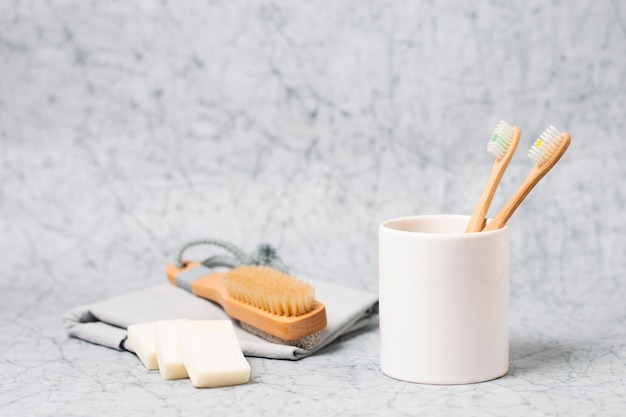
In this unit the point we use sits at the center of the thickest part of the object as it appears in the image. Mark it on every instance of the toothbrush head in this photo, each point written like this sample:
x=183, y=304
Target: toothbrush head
x=500, y=140
x=547, y=144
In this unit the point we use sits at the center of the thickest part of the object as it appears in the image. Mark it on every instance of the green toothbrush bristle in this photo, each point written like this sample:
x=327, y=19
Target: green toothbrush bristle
x=500, y=140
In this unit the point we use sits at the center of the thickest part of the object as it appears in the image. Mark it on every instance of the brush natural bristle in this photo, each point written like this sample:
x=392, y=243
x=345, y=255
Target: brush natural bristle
x=544, y=147
x=270, y=290
x=500, y=140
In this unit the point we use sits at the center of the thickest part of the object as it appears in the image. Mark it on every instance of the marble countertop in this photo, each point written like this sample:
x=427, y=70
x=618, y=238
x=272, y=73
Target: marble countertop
x=559, y=365
x=128, y=128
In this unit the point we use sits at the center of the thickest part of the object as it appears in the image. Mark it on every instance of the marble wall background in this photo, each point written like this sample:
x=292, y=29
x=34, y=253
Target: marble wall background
x=127, y=128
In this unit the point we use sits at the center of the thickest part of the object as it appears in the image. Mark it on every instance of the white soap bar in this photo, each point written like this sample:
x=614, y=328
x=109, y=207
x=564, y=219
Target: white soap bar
x=212, y=355
x=141, y=340
x=167, y=333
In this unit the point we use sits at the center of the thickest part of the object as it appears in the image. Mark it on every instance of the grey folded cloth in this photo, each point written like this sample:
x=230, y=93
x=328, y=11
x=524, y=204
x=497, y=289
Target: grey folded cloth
x=105, y=322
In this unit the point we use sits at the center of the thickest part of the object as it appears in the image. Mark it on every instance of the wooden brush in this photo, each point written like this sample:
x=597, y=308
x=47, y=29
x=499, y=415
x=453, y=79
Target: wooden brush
x=546, y=152
x=501, y=146
x=279, y=306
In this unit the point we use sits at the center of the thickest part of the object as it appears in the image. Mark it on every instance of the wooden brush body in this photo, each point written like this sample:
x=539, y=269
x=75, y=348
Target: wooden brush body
x=211, y=287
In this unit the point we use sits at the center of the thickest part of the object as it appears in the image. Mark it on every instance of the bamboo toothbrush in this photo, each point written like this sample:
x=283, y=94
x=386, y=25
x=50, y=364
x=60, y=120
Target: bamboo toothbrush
x=501, y=146
x=546, y=152
x=274, y=305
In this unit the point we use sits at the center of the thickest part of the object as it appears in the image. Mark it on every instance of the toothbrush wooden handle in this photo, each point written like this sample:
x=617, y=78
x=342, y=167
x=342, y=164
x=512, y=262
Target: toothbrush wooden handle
x=477, y=221
x=509, y=208
x=535, y=175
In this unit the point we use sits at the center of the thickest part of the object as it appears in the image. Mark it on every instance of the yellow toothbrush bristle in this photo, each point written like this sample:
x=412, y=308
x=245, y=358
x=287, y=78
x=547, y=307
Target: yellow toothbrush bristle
x=545, y=145
x=270, y=290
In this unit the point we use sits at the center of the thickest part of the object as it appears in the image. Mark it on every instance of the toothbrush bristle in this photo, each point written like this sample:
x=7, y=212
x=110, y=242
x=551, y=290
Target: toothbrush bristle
x=544, y=147
x=500, y=140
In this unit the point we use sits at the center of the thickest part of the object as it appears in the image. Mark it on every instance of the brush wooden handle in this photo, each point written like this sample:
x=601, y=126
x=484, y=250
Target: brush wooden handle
x=478, y=219
x=212, y=288
x=536, y=174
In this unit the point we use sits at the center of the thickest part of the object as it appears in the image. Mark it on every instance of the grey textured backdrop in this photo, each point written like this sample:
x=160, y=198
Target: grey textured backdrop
x=127, y=128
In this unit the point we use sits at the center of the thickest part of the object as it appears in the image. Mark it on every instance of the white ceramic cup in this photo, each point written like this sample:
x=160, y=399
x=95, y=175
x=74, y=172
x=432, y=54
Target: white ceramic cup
x=444, y=297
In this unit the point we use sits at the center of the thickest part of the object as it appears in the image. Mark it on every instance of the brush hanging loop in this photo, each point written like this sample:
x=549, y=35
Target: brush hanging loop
x=264, y=255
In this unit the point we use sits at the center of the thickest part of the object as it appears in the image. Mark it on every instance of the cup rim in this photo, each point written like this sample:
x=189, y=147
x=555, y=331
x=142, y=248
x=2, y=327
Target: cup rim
x=448, y=235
